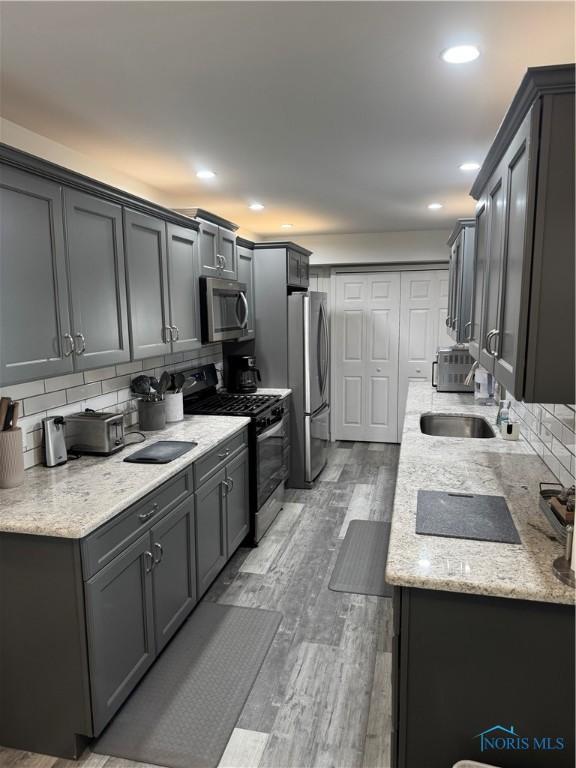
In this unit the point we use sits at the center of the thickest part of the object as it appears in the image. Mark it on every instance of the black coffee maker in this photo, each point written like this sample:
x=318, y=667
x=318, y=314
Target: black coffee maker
x=243, y=376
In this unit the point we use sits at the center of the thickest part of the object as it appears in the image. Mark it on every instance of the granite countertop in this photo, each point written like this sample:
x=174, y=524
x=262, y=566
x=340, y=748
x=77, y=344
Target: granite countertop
x=271, y=391
x=490, y=466
x=72, y=500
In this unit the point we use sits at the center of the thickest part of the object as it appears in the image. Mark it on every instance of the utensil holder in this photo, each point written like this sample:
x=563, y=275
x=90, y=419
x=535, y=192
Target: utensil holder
x=174, y=406
x=151, y=415
x=11, y=458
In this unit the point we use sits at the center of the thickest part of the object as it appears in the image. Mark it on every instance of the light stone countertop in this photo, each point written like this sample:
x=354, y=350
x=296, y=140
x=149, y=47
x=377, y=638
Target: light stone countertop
x=72, y=500
x=271, y=391
x=489, y=466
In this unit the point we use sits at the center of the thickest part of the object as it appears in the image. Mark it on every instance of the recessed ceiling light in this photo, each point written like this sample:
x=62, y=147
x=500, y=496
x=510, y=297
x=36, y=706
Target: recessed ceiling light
x=206, y=174
x=460, y=54
x=435, y=206
x=256, y=207
x=469, y=166
x=286, y=226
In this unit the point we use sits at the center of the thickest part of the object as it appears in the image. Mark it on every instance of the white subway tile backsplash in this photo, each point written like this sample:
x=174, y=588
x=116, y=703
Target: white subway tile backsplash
x=20, y=391
x=84, y=392
x=64, y=382
x=44, y=402
x=103, y=389
x=99, y=374
x=125, y=368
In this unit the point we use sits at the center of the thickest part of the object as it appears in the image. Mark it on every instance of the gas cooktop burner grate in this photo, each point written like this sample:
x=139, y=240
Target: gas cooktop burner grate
x=249, y=405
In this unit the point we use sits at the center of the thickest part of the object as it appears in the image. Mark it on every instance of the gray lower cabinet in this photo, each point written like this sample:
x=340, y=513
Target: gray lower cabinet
x=183, y=288
x=35, y=330
x=211, y=547
x=147, y=275
x=246, y=276
x=120, y=628
x=97, y=280
x=237, y=502
x=174, y=573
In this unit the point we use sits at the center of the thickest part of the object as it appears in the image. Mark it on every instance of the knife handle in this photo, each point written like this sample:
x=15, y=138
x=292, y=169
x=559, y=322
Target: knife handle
x=15, y=414
x=4, y=403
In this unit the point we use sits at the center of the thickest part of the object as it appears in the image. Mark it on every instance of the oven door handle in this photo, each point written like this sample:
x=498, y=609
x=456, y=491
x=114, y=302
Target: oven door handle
x=272, y=431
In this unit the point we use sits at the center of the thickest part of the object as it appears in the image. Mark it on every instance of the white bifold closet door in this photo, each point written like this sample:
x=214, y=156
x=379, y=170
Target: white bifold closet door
x=386, y=329
x=365, y=332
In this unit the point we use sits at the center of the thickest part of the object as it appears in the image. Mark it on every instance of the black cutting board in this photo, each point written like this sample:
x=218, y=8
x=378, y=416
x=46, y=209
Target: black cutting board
x=465, y=516
x=161, y=452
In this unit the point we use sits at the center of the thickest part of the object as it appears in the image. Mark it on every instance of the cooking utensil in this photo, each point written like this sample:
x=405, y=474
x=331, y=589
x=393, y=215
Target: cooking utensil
x=165, y=381
x=154, y=383
x=15, y=414
x=5, y=403
x=9, y=414
x=178, y=380
x=141, y=385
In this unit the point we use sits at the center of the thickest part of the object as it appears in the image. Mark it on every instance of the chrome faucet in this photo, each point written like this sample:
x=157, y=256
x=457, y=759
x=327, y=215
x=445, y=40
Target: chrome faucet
x=470, y=377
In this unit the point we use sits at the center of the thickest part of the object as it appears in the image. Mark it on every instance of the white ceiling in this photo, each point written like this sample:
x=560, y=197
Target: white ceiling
x=338, y=116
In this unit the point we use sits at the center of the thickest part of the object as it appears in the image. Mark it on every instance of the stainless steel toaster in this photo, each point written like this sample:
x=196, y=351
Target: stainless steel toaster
x=453, y=365
x=97, y=433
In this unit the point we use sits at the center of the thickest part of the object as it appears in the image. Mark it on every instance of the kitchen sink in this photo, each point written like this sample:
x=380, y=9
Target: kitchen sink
x=453, y=425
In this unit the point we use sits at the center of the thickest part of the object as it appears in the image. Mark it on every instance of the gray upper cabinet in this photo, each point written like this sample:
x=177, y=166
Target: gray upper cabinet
x=174, y=572
x=183, y=288
x=246, y=275
x=211, y=549
x=291, y=263
x=147, y=276
x=97, y=280
x=120, y=627
x=297, y=269
x=237, y=502
x=523, y=319
x=35, y=331
x=461, y=243
x=217, y=247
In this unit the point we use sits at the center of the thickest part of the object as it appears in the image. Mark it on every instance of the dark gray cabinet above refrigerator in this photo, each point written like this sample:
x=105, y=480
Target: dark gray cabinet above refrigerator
x=294, y=269
x=461, y=244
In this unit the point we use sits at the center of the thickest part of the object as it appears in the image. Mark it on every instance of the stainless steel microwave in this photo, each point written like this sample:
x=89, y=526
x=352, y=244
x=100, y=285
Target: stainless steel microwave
x=224, y=308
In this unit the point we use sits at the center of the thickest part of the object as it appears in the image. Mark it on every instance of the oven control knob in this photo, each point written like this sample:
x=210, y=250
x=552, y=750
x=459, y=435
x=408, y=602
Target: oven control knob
x=279, y=411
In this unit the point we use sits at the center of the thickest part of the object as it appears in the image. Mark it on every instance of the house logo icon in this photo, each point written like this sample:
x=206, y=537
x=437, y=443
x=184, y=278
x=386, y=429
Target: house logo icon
x=500, y=737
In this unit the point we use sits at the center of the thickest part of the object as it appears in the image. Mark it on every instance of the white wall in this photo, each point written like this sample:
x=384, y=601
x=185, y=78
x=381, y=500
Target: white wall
x=377, y=247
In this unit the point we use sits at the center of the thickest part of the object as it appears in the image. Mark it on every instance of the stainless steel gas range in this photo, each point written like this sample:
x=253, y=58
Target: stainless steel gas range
x=268, y=442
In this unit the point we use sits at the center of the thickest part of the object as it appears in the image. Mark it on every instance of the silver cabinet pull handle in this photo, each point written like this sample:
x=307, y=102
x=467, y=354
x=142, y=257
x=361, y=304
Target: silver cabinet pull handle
x=224, y=454
x=468, y=336
x=230, y=484
x=489, y=348
x=70, y=340
x=148, y=559
x=167, y=334
x=80, y=350
x=158, y=547
x=225, y=485
x=177, y=332
x=143, y=516
x=487, y=340
x=448, y=321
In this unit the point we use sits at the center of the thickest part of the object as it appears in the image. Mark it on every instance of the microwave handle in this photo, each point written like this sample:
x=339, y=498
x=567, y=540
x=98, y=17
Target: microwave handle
x=244, y=300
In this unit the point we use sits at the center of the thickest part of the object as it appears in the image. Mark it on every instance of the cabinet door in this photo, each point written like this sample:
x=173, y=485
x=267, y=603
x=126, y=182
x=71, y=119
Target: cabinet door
x=120, y=627
x=208, y=249
x=457, y=288
x=237, y=502
x=304, y=268
x=451, y=291
x=183, y=288
x=466, y=285
x=293, y=269
x=147, y=284
x=479, y=276
x=517, y=162
x=211, y=553
x=97, y=280
x=246, y=275
x=227, y=252
x=174, y=573
x=34, y=312
x=490, y=313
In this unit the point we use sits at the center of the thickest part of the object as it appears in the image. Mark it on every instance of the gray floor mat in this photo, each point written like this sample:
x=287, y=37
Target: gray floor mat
x=362, y=558
x=183, y=712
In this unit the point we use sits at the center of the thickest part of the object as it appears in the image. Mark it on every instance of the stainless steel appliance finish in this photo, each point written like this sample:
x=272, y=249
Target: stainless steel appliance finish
x=224, y=309
x=95, y=433
x=268, y=439
x=453, y=425
x=453, y=365
x=54, y=441
x=308, y=372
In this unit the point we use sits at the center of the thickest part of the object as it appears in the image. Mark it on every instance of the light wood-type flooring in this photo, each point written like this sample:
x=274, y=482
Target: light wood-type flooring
x=322, y=697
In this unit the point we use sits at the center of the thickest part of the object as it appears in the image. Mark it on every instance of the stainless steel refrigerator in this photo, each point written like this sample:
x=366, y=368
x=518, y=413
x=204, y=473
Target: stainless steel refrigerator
x=308, y=378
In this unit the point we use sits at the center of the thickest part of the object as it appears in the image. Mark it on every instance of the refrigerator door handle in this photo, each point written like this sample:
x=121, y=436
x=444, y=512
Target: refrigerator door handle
x=326, y=349
x=307, y=372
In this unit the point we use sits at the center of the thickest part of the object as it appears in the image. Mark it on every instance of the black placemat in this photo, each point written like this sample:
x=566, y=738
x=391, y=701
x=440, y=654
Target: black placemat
x=161, y=452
